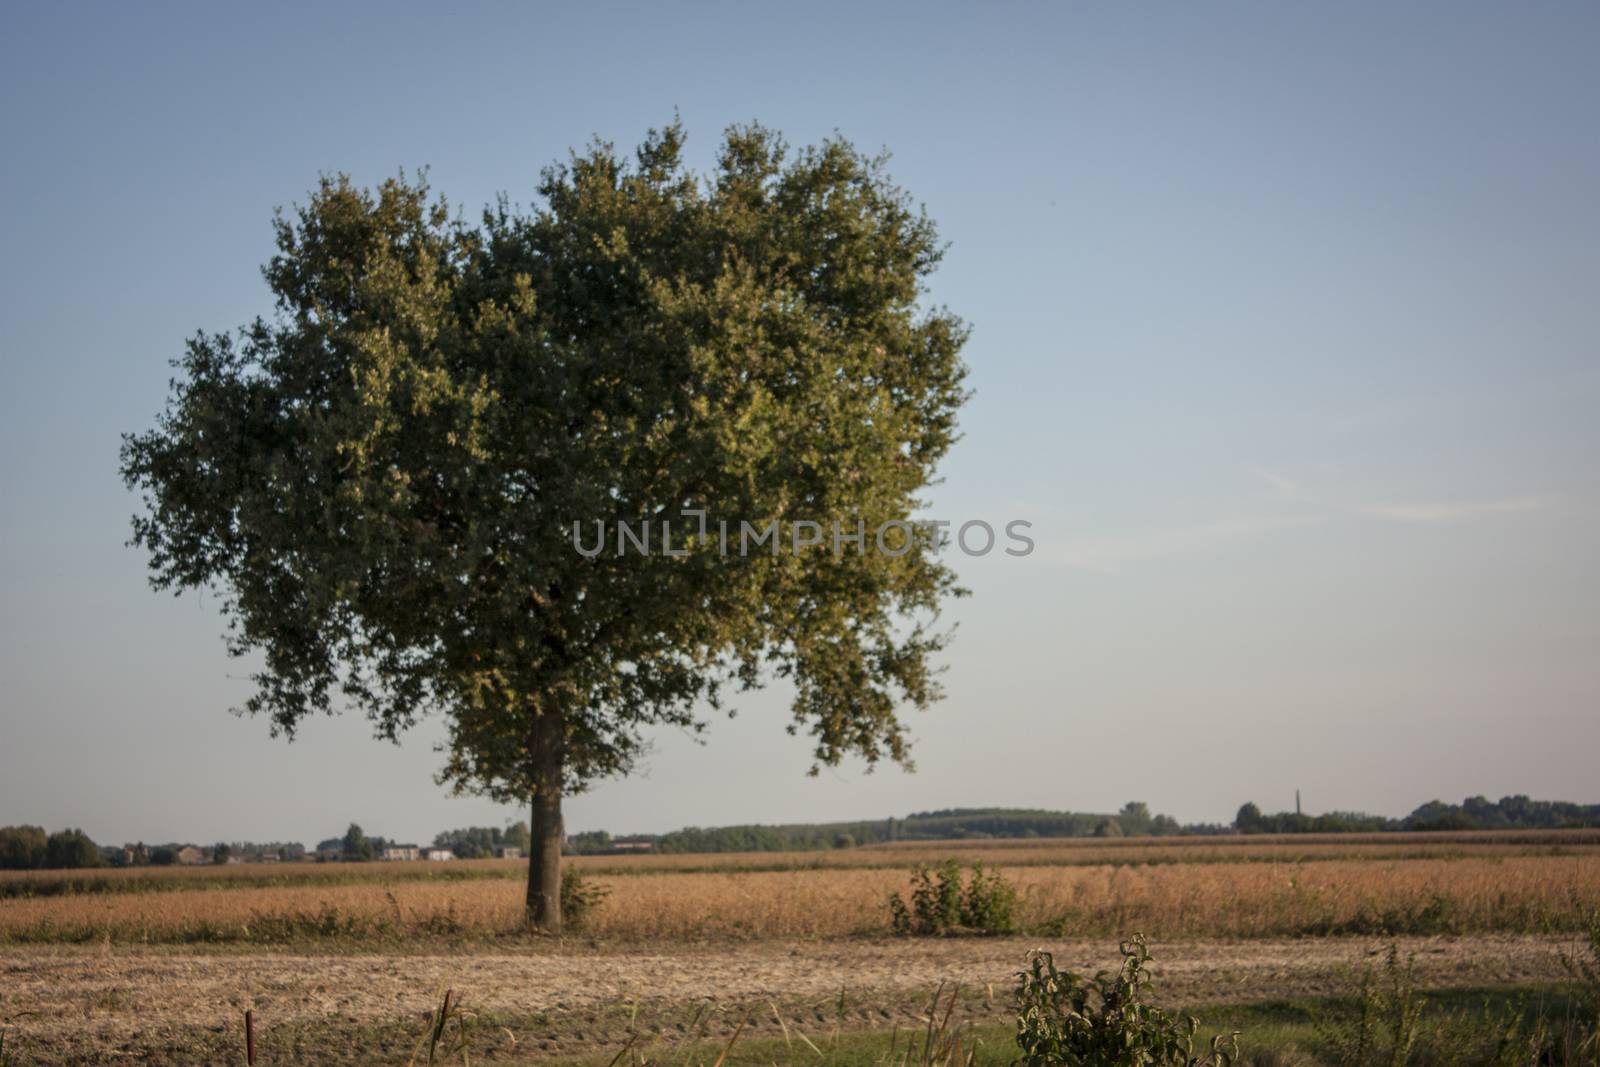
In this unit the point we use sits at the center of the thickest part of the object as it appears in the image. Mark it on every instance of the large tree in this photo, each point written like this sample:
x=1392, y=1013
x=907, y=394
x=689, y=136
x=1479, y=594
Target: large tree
x=389, y=479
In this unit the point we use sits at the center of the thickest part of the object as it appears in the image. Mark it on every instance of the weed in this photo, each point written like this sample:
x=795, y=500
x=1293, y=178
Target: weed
x=579, y=897
x=1384, y=1029
x=942, y=905
x=1066, y=1020
x=449, y=1033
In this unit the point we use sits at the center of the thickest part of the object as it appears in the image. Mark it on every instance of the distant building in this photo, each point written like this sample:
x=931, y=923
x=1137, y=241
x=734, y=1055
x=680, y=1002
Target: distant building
x=438, y=854
x=190, y=854
x=508, y=852
x=633, y=846
x=396, y=853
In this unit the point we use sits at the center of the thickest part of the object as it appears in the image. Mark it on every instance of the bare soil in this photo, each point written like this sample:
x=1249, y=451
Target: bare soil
x=114, y=1004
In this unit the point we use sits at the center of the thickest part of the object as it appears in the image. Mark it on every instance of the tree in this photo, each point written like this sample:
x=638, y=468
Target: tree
x=1135, y=818
x=71, y=848
x=354, y=845
x=221, y=853
x=516, y=835
x=22, y=848
x=469, y=843
x=395, y=482
x=1248, y=821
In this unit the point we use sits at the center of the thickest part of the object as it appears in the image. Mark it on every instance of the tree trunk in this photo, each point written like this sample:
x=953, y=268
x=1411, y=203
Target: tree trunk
x=544, y=844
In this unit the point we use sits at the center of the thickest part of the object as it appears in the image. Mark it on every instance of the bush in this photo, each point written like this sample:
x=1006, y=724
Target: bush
x=579, y=897
x=942, y=905
x=1066, y=1020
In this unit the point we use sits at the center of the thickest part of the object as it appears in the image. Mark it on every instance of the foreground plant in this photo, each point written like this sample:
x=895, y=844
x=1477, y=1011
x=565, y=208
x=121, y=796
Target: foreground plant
x=449, y=1034
x=1067, y=1020
x=1383, y=1032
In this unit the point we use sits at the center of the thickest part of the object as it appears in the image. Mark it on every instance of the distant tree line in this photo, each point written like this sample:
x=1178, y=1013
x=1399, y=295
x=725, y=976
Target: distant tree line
x=31, y=848
x=24, y=848
x=1474, y=813
x=1134, y=820
x=477, y=842
x=469, y=842
x=27, y=848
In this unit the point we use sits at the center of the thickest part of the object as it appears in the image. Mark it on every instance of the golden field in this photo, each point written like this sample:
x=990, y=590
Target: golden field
x=1009, y=853
x=1235, y=888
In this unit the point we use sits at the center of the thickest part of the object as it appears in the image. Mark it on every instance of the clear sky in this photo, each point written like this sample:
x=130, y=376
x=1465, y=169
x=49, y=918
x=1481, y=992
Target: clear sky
x=1285, y=336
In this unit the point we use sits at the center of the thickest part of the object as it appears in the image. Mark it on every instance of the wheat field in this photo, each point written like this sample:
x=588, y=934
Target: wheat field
x=1258, y=898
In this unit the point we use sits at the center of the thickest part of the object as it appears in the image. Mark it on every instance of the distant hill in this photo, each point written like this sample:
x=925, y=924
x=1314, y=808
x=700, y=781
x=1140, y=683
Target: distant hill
x=944, y=825
x=1133, y=820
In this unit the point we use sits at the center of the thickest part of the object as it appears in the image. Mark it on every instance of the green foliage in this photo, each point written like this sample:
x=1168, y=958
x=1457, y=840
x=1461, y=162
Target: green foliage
x=382, y=479
x=1066, y=1020
x=1521, y=812
x=355, y=844
x=22, y=848
x=950, y=824
x=1474, y=813
x=72, y=849
x=477, y=842
x=579, y=897
x=1135, y=819
x=588, y=842
x=942, y=905
x=1383, y=1031
x=516, y=835
x=1584, y=968
x=220, y=853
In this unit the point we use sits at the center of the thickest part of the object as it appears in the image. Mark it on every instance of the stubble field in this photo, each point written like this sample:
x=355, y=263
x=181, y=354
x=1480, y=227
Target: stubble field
x=157, y=965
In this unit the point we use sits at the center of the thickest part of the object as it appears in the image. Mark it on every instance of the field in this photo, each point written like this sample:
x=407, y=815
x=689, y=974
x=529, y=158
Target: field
x=159, y=964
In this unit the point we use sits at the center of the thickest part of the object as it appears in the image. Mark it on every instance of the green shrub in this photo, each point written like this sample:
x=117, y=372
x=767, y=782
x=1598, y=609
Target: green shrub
x=941, y=904
x=579, y=897
x=1066, y=1020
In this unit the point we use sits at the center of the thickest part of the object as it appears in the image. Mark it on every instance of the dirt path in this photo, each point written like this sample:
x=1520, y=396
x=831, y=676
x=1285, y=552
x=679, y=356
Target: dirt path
x=121, y=1005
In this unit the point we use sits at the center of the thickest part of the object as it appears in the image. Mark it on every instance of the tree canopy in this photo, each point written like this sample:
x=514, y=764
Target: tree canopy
x=383, y=479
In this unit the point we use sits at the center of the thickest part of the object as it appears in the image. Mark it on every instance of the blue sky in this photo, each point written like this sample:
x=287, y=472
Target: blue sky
x=1285, y=329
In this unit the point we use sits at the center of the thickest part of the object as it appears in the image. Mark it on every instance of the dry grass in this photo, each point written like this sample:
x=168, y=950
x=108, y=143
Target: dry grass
x=1513, y=893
